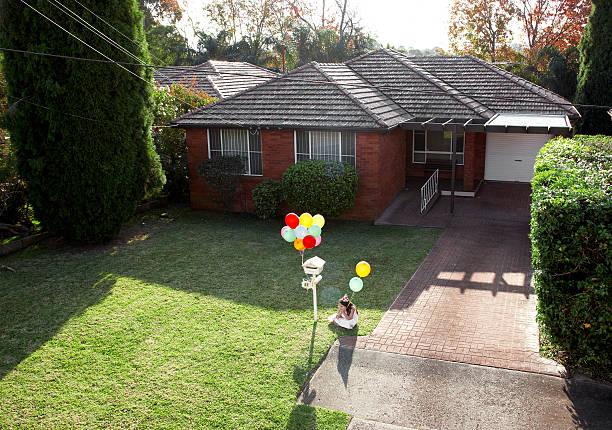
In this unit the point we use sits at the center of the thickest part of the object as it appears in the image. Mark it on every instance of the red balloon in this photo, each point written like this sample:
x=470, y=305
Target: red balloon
x=309, y=241
x=292, y=220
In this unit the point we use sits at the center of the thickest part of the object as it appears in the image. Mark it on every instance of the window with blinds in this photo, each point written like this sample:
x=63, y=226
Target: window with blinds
x=325, y=145
x=243, y=143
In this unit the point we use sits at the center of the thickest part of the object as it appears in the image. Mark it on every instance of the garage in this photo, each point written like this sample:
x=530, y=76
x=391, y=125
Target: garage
x=511, y=156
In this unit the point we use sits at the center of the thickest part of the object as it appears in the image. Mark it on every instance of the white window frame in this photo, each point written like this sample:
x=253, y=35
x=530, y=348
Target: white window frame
x=295, y=152
x=248, y=149
x=425, y=152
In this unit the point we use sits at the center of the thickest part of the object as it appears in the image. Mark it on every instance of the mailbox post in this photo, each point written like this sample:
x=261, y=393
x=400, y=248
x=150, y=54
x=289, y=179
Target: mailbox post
x=313, y=267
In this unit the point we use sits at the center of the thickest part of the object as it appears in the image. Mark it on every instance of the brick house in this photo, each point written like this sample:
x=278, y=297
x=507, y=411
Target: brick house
x=392, y=116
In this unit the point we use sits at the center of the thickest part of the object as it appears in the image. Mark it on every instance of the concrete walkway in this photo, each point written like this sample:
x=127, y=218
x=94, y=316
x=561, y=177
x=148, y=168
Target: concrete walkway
x=392, y=391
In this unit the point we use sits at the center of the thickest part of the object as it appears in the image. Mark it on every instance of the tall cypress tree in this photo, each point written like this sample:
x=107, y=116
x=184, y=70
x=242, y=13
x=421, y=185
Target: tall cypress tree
x=595, y=75
x=84, y=176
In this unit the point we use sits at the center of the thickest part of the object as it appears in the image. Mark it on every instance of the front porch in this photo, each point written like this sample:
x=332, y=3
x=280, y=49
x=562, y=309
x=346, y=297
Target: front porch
x=495, y=201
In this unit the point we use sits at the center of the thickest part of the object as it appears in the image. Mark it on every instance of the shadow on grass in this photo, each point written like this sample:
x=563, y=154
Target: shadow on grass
x=228, y=257
x=32, y=314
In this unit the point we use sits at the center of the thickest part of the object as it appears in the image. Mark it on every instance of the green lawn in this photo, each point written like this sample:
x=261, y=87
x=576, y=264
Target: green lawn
x=193, y=321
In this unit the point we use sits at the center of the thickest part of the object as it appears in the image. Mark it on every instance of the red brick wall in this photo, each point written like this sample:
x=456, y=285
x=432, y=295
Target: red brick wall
x=380, y=160
x=277, y=155
x=382, y=172
x=475, y=144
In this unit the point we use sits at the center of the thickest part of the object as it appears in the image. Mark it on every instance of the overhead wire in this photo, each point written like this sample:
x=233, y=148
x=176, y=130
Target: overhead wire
x=141, y=63
x=285, y=77
x=76, y=17
x=80, y=40
x=25, y=100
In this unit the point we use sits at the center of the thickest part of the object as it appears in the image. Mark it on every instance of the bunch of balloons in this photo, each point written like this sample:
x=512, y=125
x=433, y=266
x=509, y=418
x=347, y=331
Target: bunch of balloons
x=362, y=269
x=304, y=231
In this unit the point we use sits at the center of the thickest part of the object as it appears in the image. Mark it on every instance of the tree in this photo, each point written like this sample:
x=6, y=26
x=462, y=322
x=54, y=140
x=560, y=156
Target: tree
x=595, y=75
x=481, y=28
x=156, y=11
x=170, y=143
x=558, y=23
x=81, y=131
x=168, y=47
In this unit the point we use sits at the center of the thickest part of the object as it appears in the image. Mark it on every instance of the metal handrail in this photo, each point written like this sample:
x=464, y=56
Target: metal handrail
x=429, y=190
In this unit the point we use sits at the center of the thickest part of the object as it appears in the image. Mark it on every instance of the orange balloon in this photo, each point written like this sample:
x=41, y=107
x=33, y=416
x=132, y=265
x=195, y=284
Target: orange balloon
x=299, y=244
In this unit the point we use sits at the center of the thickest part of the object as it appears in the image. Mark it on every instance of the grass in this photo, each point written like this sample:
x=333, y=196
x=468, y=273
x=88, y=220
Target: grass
x=197, y=320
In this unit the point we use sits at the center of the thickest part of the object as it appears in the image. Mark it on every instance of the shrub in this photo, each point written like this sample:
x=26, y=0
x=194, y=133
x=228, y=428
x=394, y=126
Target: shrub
x=267, y=197
x=571, y=234
x=222, y=174
x=170, y=144
x=13, y=203
x=328, y=188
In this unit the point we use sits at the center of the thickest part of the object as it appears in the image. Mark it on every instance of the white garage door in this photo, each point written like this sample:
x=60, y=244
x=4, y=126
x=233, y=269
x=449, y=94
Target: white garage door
x=510, y=156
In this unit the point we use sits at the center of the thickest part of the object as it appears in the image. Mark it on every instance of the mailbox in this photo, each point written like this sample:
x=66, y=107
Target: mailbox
x=313, y=266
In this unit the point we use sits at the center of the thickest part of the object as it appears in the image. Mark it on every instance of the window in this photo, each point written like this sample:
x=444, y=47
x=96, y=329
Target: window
x=325, y=145
x=435, y=146
x=244, y=143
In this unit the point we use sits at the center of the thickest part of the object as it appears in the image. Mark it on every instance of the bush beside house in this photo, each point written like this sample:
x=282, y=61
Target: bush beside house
x=170, y=143
x=328, y=188
x=267, y=196
x=571, y=234
x=222, y=174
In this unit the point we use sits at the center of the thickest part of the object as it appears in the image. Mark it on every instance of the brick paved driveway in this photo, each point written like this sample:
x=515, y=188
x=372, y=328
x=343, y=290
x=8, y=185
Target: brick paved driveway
x=471, y=300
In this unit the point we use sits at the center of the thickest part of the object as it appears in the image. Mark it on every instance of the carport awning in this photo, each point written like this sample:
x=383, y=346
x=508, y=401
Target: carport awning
x=529, y=123
x=499, y=123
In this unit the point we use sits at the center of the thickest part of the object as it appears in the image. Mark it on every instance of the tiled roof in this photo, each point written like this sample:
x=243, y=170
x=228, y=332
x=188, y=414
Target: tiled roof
x=219, y=79
x=379, y=90
x=303, y=98
x=498, y=89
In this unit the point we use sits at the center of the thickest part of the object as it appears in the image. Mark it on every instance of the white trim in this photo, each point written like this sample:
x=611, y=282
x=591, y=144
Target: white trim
x=294, y=146
x=208, y=141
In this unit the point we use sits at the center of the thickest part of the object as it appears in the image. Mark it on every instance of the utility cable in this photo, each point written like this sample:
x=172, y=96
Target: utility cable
x=106, y=38
x=285, y=77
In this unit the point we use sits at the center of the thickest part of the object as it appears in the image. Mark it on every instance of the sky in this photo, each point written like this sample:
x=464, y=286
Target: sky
x=410, y=23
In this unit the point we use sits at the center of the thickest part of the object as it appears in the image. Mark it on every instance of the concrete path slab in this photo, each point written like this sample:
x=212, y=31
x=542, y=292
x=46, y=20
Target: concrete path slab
x=413, y=392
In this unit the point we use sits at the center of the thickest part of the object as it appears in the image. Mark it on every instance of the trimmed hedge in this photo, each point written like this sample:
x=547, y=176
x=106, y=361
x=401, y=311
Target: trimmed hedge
x=571, y=234
x=267, y=196
x=328, y=188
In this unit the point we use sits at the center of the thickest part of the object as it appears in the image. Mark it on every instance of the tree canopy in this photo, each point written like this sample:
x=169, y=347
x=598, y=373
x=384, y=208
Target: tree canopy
x=595, y=77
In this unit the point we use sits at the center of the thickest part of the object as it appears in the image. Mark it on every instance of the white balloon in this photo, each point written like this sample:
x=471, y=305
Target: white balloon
x=301, y=231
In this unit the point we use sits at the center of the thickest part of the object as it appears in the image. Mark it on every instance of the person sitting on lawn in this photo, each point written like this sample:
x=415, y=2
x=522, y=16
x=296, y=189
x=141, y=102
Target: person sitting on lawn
x=347, y=315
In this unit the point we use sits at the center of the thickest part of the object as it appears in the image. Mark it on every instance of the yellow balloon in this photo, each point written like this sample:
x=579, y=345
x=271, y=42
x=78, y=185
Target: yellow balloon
x=306, y=219
x=299, y=244
x=363, y=269
x=318, y=220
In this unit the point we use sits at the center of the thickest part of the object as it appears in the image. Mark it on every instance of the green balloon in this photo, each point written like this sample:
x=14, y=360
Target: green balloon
x=289, y=235
x=356, y=284
x=314, y=230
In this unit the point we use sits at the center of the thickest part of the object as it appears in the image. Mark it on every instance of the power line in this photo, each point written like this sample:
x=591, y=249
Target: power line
x=84, y=43
x=285, y=77
x=105, y=56
x=106, y=38
x=25, y=100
